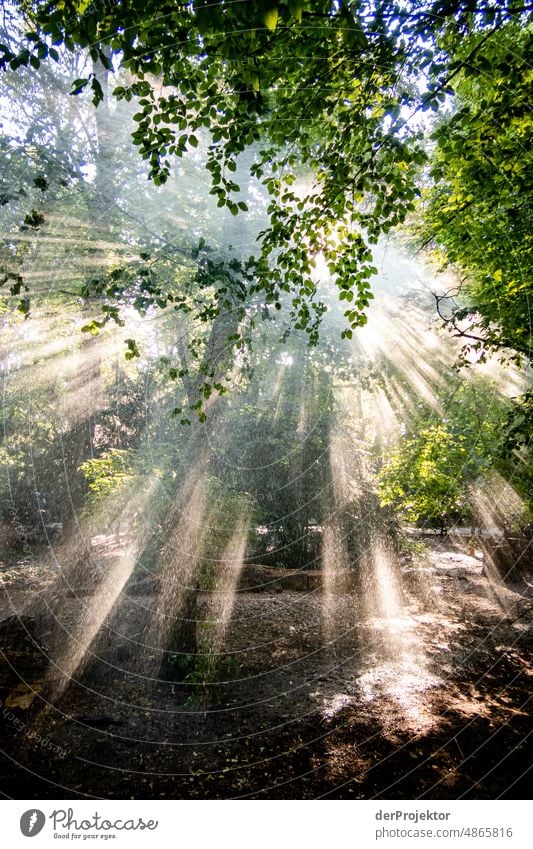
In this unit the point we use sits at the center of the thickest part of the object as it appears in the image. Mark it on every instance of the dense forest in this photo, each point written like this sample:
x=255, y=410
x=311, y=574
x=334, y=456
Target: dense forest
x=266, y=502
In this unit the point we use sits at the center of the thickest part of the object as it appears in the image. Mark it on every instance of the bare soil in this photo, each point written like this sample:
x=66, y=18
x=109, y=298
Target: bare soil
x=429, y=702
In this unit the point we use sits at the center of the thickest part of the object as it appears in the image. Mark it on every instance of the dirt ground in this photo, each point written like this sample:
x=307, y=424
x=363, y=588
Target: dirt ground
x=430, y=701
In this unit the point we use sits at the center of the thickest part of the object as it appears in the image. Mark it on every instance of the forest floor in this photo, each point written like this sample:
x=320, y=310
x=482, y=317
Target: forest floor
x=428, y=702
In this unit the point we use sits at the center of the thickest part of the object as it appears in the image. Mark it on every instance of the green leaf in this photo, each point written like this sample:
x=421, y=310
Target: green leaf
x=270, y=17
x=296, y=9
x=24, y=306
x=133, y=350
x=98, y=93
x=79, y=85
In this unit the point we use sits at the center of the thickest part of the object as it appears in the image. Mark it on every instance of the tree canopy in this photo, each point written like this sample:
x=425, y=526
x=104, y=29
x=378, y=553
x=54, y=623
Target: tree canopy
x=337, y=88
x=476, y=211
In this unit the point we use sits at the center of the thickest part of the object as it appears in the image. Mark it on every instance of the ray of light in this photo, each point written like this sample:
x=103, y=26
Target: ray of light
x=335, y=568
x=496, y=504
x=107, y=586
x=180, y=558
x=400, y=669
x=229, y=568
